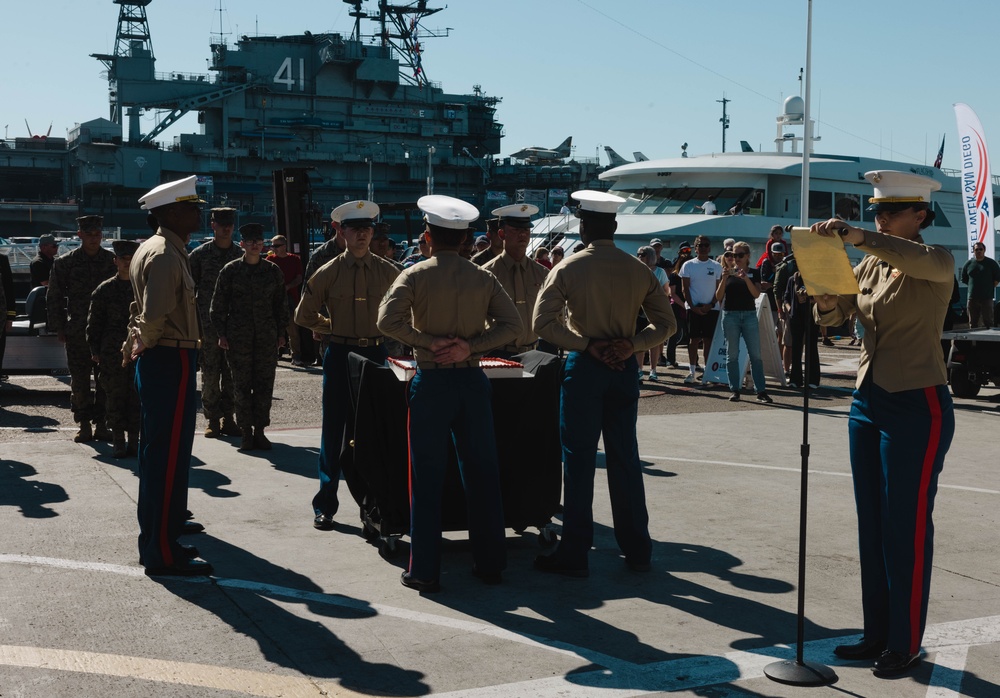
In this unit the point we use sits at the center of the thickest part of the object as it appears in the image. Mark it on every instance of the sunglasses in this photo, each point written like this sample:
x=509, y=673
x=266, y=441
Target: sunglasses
x=703, y=246
x=280, y=244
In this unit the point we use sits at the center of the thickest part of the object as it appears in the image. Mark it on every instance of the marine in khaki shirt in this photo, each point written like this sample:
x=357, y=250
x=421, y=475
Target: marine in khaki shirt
x=602, y=288
x=905, y=292
x=520, y=276
x=164, y=310
x=447, y=298
x=352, y=315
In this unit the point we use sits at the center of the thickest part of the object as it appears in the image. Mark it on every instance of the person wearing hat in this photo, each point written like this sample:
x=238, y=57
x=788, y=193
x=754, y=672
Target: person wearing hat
x=661, y=263
x=328, y=250
x=520, y=276
x=450, y=395
x=291, y=267
x=902, y=419
x=350, y=286
x=603, y=289
x=163, y=341
x=482, y=243
x=383, y=245
x=250, y=313
x=207, y=260
x=41, y=265
x=107, y=330
x=496, y=243
x=74, y=278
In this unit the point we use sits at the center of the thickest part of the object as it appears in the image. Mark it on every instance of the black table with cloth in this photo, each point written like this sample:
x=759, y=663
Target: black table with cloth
x=526, y=421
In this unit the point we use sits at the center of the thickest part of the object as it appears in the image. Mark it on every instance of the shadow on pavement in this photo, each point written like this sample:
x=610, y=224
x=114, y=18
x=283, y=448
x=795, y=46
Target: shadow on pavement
x=29, y=496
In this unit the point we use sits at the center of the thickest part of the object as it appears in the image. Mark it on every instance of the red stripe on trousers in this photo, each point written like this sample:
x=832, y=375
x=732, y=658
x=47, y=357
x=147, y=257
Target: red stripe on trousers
x=920, y=536
x=175, y=437
x=409, y=475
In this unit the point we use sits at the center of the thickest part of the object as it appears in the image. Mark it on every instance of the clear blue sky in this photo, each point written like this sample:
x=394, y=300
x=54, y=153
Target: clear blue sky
x=633, y=74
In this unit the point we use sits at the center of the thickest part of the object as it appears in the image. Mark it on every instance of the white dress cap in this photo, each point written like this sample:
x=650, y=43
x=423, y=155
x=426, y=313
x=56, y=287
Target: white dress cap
x=597, y=201
x=447, y=211
x=171, y=193
x=892, y=186
x=355, y=210
x=525, y=211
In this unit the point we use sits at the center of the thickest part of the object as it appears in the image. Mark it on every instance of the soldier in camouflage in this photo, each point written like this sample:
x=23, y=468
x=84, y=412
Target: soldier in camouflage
x=107, y=330
x=250, y=312
x=207, y=261
x=72, y=281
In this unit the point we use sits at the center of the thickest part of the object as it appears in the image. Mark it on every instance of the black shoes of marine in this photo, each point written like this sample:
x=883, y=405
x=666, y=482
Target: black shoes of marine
x=895, y=663
x=865, y=649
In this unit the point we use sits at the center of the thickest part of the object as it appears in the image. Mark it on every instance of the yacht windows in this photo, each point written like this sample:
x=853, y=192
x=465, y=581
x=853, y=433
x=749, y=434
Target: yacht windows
x=685, y=199
x=820, y=205
x=847, y=206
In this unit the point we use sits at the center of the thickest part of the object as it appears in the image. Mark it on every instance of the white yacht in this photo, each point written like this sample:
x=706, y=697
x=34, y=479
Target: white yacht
x=753, y=191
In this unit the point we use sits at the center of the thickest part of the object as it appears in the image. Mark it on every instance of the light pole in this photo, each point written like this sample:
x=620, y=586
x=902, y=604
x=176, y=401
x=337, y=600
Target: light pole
x=371, y=185
x=430, y=170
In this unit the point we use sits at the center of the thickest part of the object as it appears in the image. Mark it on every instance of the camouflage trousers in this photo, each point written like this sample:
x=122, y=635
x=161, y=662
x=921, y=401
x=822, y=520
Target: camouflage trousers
x=87, y=404
x=216, y=379
x=253, y=370
x=121, y=399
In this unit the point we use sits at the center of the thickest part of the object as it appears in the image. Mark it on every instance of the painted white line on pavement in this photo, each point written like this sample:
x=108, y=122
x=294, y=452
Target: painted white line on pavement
x=252, y=683
x=618, y=677
x=757, y=466
x=949, y=668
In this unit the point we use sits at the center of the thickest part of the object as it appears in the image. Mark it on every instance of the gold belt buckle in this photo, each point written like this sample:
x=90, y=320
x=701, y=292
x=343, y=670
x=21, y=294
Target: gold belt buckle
x=363, y=342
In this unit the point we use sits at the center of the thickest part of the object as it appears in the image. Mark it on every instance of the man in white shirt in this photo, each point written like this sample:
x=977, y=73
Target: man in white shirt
x=700, y=276
x=709, y=207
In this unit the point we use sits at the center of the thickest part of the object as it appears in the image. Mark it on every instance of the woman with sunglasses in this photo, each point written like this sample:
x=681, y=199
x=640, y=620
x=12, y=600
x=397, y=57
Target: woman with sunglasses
x=738, y=291
x=902, y=419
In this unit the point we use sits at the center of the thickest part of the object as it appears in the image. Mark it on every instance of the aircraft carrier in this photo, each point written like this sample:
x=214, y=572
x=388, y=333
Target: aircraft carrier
x=351, y=115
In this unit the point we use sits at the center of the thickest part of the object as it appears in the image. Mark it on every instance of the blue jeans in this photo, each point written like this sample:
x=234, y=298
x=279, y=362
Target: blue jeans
x=736, y=324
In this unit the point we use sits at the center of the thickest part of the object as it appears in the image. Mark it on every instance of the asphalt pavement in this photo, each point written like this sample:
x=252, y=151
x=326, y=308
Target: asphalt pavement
x=293, y=611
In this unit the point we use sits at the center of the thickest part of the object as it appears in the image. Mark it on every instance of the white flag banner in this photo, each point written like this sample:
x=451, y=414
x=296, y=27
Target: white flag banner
x=977, y=184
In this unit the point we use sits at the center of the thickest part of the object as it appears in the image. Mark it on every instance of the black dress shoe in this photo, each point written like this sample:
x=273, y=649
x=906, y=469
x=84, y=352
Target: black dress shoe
x=866, y=649
x=188, y=568
x=549, y=563
x=188, y=514
x=424, y=585
x=324, y=522
x=189, y=527
x=190, y=552
x=487, y=577
x=895, y=663
x=638, y=565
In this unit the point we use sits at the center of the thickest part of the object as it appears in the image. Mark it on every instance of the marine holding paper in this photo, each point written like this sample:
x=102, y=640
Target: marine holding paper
x=902, y=419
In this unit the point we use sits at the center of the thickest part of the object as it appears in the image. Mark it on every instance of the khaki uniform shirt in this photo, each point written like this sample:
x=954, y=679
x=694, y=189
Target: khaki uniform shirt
x=905, y=291
x=602, y=289
x=164, y=305
x=448, y=296
x=532, y=277
x=334, y=286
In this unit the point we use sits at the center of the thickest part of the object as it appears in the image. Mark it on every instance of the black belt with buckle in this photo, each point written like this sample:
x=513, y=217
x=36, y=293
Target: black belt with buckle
x=362, y=342
x=179, y=343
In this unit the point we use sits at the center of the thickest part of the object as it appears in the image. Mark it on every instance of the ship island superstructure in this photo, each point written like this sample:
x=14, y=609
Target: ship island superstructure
x=355, y=113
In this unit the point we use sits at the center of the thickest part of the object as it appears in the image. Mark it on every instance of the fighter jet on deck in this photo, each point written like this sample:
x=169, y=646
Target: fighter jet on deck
x=616, y=160
x=536, y=154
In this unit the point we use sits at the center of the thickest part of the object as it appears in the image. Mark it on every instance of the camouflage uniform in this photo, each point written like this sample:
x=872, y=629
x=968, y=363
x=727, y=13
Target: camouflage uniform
x=250, y=309
x=107, y=330
x=74, y=278
x=323, y=254
x=207, y=261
